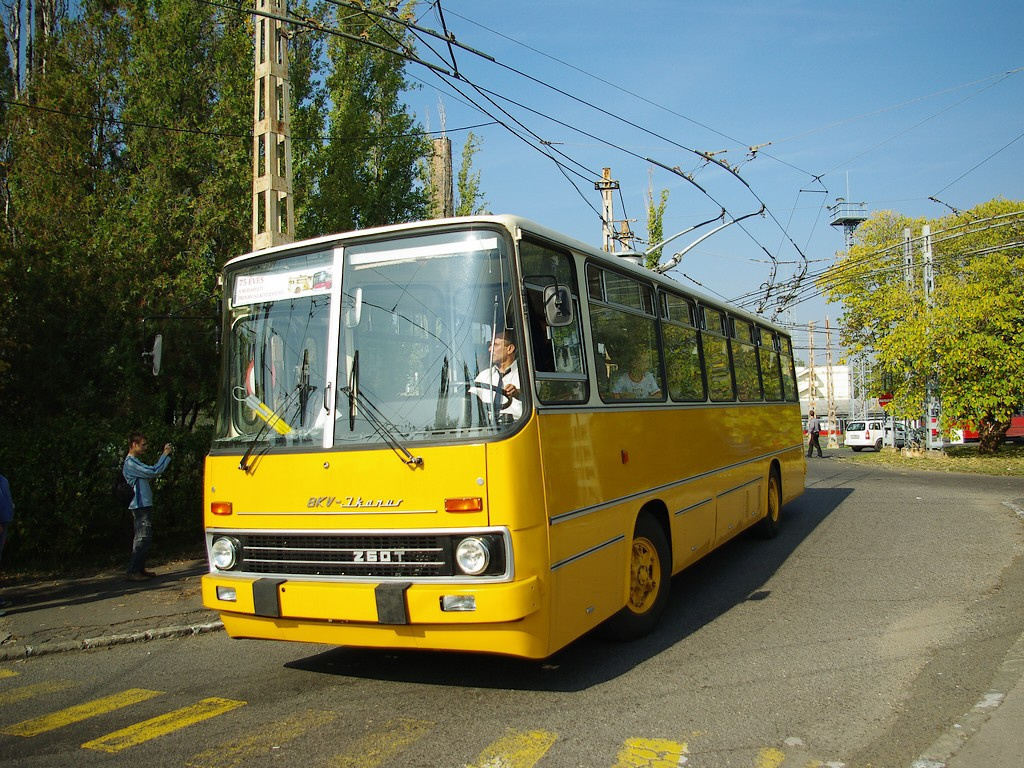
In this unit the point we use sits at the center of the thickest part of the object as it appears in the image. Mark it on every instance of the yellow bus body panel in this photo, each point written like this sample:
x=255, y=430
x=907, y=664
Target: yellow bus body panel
x=705, y=468
x=568, y=487
x=373, y=490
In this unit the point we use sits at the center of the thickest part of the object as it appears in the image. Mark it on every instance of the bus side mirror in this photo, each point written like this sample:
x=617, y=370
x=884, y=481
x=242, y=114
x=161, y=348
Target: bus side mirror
x=557, y=305
x=157, y=353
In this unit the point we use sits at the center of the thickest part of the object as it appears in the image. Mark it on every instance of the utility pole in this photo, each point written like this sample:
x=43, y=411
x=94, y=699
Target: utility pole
x=273, y=216
x=830, y=391
x=908, y=260
x=442, y=186
x=606, y=187
x=441, y=174
x=932, y=406
x=625, y=236
x=812, y=376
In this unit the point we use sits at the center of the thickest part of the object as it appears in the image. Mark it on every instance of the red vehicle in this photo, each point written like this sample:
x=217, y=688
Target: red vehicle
x=1015, y=432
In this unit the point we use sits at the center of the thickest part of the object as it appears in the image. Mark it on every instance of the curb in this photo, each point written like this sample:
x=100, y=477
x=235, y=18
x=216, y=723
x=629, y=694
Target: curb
x=106, y=641
x=1017, y=505
x=1009, y=674
x=944, y=748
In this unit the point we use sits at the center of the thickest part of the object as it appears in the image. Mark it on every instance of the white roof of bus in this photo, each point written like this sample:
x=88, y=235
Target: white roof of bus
x=514, y=222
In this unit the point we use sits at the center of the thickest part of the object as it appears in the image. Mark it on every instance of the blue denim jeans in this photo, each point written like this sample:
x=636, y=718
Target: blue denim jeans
x=143, y=537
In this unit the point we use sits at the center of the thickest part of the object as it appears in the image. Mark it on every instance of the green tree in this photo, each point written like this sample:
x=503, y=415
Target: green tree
x=369, y=171
x=469, y=199
x=655, y=223
x=184, y=189
x=308, y=112
x=129, y=185
x=964, y=342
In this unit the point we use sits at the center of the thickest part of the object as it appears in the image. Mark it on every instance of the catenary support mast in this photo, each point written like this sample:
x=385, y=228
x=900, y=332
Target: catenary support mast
x=273, y=217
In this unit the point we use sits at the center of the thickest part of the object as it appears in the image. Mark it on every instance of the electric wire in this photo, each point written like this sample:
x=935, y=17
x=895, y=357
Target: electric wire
x=976, y=167
x=847, y=274
x=226, y=134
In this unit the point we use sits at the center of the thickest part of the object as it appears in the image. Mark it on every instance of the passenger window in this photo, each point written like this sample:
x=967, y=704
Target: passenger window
x=771, y=376
x=789, y=389
x=716, y=356
x=683, y=359
x=744, y=353
x=628, y=362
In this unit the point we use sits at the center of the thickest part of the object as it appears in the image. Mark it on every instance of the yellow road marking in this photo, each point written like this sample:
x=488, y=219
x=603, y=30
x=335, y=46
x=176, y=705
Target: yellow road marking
x=80, y=712
x=770, y=757
x=376, y=749
x=244, y=750
x=4, y=673
x=15, y=695
x=651, y=753
x=516, y=749
x=162, y=725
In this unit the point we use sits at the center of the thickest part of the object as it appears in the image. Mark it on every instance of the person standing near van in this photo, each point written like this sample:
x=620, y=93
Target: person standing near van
x=138, y=474
x=814, y=430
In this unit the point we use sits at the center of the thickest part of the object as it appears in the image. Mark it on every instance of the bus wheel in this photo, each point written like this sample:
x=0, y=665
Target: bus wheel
x=650, y=572
x=768, y=526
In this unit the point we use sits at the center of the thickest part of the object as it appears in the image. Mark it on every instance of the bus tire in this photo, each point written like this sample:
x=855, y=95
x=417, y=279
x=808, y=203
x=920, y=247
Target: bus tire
x=650, y=572
x=768, y=526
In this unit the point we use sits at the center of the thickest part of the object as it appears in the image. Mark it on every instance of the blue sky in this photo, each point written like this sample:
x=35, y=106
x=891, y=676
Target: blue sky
x=887, y=103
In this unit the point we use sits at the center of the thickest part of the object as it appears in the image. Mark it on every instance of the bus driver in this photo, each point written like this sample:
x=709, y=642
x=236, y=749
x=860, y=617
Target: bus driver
x=502, y=376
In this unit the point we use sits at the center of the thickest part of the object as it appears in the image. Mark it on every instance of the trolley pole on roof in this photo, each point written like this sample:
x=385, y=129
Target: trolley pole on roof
x=273, y=217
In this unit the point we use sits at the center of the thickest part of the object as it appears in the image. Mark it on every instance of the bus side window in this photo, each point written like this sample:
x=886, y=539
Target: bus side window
x=683, y=357
x=745, y=361
x=558, y=355
x=789, y=387
x=717, y=357
x=622, y=317
x=770, y=373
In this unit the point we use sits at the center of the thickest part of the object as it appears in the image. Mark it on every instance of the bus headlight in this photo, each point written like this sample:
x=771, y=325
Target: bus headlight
x=473, y=555
x=224, y=553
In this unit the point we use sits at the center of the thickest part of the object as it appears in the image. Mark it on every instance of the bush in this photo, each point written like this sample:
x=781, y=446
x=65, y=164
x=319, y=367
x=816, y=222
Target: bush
x=65, y=516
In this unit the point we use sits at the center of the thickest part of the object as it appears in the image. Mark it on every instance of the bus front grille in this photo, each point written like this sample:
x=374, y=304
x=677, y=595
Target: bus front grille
x=374, y=557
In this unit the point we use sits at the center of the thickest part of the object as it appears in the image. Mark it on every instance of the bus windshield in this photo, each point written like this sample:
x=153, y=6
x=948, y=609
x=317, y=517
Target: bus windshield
x=396, y=352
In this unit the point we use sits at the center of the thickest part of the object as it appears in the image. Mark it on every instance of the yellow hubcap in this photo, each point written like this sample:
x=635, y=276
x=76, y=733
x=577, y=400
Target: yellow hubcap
x=645, y=572
x=773, y=499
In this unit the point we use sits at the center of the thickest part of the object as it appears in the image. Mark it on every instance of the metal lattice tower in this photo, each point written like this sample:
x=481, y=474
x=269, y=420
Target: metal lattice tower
x=849, y=216
x=273, y=217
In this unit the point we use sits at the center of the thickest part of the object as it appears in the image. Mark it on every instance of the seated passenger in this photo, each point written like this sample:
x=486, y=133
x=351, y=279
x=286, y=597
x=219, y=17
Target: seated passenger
x=638, y=382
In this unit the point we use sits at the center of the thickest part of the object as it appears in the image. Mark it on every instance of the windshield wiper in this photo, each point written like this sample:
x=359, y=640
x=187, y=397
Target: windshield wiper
x=270, y=418
x=305, y=388
x=387, y=431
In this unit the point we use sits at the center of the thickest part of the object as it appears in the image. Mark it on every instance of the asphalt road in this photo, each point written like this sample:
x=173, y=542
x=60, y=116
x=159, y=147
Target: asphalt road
x=855, y=638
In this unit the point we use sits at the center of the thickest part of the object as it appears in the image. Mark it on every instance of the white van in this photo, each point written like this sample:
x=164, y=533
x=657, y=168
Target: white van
x=871, y=434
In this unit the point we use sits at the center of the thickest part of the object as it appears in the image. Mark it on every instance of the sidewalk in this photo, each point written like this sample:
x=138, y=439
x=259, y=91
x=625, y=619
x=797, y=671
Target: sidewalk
x=60, y=615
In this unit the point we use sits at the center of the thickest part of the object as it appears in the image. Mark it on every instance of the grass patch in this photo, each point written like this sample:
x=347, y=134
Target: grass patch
x=1008, y=462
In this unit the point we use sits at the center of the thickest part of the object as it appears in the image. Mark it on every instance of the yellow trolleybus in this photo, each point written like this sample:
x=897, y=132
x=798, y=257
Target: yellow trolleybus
x=375, y=481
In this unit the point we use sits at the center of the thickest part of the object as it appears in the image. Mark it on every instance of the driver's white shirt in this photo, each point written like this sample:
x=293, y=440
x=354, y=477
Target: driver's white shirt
x=510, y=405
